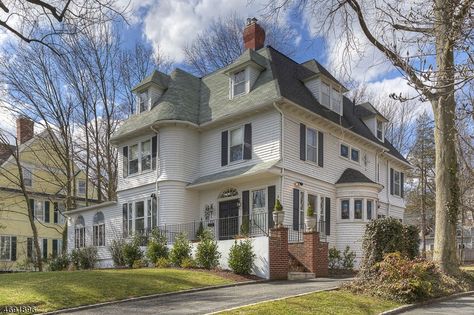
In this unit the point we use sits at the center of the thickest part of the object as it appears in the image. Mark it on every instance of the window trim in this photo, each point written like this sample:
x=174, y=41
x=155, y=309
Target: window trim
x=332, y=87
x=242, y=131
x=146, y=101
x=350, y=148
x=361, y=208
x=316, y=132
x=139, y=157
x=245, y=82
x=358, y=155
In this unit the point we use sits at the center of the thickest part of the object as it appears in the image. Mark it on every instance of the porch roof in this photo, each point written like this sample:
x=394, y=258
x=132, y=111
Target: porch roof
x=235, y=174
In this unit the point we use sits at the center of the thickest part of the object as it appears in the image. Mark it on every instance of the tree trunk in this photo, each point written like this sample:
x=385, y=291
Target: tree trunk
x=444, y=109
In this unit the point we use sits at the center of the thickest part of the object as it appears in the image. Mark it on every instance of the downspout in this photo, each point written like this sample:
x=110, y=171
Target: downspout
x=282, y=156
x=157, y=176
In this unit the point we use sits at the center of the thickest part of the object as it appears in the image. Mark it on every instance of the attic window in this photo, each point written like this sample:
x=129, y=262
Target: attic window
x=239, y=83
x=380, y=130
x=143, y=102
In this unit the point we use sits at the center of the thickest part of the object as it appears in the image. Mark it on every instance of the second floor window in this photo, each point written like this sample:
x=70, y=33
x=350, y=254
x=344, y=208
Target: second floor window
x=133, y=159
x=355, y=155
x=311, y=145
x=140, y=157
x=236, y=148
x=344, y=151
x=146, y=155
x=396, y=183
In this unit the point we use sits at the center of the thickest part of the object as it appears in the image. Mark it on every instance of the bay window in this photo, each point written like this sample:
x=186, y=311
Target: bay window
x=345, y=212
x=369, y=207
x=358, y=209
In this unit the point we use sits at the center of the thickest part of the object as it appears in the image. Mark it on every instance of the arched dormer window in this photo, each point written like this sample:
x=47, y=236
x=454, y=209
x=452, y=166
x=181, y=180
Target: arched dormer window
x=79, y=232
x=98, y=229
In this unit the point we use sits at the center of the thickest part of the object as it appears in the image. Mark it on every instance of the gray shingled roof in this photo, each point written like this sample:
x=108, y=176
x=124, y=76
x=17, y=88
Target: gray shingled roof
x=315, y=67
x=159, y=78
x=351, y=175
x=200, y=100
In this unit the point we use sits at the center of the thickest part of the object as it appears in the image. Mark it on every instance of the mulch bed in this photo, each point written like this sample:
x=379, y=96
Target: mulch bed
x=227, y=274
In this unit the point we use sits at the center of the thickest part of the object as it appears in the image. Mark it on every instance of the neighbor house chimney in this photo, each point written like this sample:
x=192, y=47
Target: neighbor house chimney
x=24, y=129
x=254, y=35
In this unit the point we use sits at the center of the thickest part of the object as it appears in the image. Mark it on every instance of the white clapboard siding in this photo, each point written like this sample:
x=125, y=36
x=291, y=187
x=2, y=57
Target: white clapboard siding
x=265, y=143
x=154, y=94
x=178, y=153
x=314, y=86
x=176, y=203
x=334, y=164
x=138, y=179
x=253, y=76
x=351, y=234
x=396, y=212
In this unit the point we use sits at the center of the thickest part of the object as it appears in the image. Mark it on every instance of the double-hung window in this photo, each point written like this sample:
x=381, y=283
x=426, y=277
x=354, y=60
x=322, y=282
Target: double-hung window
x=27, y=177
x=336, y=101
x=140, y=216
x=358, y=209
x=146, y=155
x=143, y=102
x=236, y=148
x=98, y=230
x=5, y=248
x=396, y=183
x=311, y=145
x=345, y=212
x=79, y=233
x=133, y=159
x=38, y=211
x=380, y=130
x=369, y=209
x=239, y=83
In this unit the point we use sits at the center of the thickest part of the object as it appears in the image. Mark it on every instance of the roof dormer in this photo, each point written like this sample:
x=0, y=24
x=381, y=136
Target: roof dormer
x=373, y=119
x=149, y=90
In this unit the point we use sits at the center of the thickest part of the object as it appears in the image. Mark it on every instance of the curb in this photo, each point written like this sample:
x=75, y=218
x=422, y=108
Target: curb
x=152, y=296
x=273, y=300
x=402, y=309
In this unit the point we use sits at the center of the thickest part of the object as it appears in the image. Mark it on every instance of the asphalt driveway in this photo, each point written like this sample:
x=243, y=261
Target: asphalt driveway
x=462, y=305
x=209, y=301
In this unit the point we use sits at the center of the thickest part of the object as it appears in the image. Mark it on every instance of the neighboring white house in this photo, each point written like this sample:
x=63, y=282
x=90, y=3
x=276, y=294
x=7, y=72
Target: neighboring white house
x=222, y=148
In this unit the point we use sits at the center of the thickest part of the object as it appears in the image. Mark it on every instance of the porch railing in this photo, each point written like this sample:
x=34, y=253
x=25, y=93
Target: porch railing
x=295, y=233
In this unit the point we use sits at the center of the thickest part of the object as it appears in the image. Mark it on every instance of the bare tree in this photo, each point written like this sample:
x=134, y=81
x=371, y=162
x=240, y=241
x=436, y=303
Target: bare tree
x=420, y=40
x=221, y=43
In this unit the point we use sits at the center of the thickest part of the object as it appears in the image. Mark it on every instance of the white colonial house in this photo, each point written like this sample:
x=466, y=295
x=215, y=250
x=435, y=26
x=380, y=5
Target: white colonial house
x=219, y=150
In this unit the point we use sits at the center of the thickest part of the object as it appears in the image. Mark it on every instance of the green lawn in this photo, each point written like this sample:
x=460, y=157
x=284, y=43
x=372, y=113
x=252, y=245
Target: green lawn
x=328, y=302
x=56, y=290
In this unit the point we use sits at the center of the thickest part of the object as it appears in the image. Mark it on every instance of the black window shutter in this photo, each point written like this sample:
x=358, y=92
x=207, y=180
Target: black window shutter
x=302, y=142
x=56, y=213
x=402, y=182
x=391, y=181
x=13, y=240
x=46, y=211
x=224, y=147
x=248, y=142
x=320, y=149
x=154, y=150
x=125, y=161
x=328, y=216
x=55, y=248
x=29, y=247
x=296, y=209
x=125, y=219
x=271, y=204
x=45, y=248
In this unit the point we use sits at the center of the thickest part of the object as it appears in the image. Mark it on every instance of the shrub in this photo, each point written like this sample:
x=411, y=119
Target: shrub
x=162, y=263
x=84, y=258
x=59, y=263
x=241, y=257
x=200, y=230
x=207, y=254
x=116, y=250
x=181, y=250
x=401, y=279
x=132, y=251
x=245, y=226
x=335, y=258
x=188, y=263
x=387, y=235
x=137, y=264
x=348, y=258
x=156, y=247
x=310, y=211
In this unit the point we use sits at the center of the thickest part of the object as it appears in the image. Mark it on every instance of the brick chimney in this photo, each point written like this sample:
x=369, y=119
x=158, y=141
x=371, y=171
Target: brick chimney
x=24, y=129
x=254, y=35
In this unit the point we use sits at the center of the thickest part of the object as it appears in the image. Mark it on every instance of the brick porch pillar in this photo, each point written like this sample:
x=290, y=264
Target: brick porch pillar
x=316, y=254
x=278, y=254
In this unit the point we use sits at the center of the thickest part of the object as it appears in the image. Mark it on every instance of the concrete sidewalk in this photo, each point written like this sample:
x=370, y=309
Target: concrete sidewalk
x=213, y=300
x=461, y=305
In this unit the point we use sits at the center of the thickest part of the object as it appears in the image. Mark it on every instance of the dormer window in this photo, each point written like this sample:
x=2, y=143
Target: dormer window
x=380, y=135
x=239, y=83
x=325, y=96
x=143, y=102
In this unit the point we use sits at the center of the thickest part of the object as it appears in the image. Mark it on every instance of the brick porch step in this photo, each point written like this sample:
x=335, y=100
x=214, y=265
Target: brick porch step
x=300, y=275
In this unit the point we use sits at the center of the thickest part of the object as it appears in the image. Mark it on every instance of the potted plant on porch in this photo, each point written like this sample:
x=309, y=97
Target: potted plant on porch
x=310, y=219
x=278, y=213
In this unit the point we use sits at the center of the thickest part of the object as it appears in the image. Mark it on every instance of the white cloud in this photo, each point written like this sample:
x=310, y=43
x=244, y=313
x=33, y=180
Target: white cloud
x=172, y=24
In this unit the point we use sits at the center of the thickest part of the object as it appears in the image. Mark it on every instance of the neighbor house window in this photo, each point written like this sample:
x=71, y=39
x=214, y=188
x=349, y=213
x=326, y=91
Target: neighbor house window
x=325, y=96
x=38, y=209
x=358, y=209
x=98, y=229
x=146, y=155
x=239, y=83
x=355, y=155
x=311, y=145
x=140, y=216
x=369, y=208
x=345, y=209
x=380, y=130
x=79, y=232
x=81, y=187
x=344, y=151
x=27, y=177
x=5, y=248
x=236, y=148
x=143, y=102
x=133, y=159
x=396, y=183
